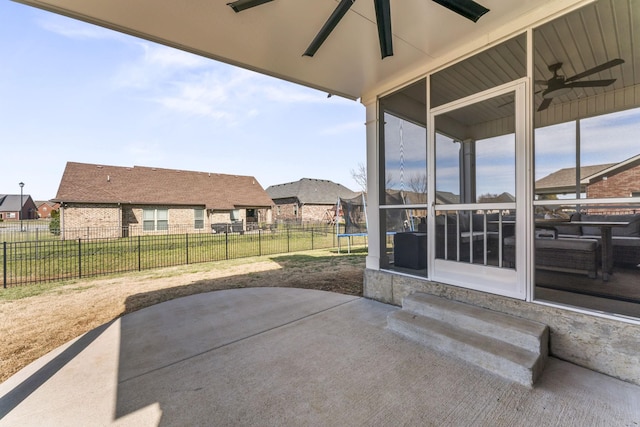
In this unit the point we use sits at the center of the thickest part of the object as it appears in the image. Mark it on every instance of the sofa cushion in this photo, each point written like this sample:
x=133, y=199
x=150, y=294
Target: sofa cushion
x=632, y=230
x=570, y=230
x=627, y=241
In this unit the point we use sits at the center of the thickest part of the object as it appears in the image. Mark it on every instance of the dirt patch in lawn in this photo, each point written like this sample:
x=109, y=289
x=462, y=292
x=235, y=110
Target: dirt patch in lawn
x=33, y=325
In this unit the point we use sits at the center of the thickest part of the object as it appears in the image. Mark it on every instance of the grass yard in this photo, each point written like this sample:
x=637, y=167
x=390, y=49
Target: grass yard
x=31, y=262
x=36, y=319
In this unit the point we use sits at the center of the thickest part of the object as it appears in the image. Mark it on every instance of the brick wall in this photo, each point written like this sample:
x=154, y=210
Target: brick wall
x=619, y=185
x=87, y=220
x=285, y=211
x=82, y=220
x=315, y=213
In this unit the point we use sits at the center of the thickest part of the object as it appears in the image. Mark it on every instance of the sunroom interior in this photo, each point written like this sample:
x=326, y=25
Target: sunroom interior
x=486, y=175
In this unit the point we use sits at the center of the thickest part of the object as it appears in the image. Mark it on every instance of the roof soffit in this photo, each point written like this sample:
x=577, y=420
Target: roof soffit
x=271, y=38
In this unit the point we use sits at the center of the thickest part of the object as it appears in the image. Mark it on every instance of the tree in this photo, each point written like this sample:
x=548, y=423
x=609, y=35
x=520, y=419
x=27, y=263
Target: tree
x=418, y=183
x=359, y=175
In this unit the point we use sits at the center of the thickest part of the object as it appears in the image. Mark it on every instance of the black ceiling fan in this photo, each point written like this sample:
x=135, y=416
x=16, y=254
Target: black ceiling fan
x=467, y=8
x=559, y=85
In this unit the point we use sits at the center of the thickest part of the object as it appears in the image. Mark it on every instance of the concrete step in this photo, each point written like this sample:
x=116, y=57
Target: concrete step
x=513, y=348
x=524, y=333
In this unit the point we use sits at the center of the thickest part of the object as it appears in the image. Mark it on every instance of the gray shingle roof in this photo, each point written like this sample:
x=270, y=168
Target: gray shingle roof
x=565, y=179
x=91, y=183
x=311, y=191
x=11, y=202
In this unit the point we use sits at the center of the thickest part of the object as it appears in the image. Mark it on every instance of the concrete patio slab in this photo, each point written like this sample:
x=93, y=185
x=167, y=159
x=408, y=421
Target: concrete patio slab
x=275, y=356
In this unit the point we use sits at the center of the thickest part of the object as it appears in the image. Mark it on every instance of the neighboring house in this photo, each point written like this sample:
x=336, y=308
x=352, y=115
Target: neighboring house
x=307, y=200
x=10, y=207
x=46, y=207
x=145, y=200
x=596, y=181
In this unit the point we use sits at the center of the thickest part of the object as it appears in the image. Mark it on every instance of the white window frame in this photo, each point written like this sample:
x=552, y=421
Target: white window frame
x=160, y=219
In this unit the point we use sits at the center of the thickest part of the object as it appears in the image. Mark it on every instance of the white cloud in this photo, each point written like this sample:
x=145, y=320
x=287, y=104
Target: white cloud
x=73, y=29
x=192, y=85
x=193, y=106
x=344, y=127
x=167, y=57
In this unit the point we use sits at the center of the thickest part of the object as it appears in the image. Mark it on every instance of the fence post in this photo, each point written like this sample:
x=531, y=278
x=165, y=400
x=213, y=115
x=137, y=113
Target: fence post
x=186, y=239
x=139, y=254
x=226, y=245
x=260, y=242
x=4, y=264
x=311, y=238
x=287, y=239
x=79, y=258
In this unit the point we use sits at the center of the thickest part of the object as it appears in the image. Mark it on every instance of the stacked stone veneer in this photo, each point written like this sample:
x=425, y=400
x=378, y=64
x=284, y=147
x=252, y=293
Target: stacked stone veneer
x=601, y=344
x=96, y=220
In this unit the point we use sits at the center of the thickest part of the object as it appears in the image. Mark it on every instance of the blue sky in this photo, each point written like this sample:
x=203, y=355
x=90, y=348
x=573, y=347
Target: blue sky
x=71, y=91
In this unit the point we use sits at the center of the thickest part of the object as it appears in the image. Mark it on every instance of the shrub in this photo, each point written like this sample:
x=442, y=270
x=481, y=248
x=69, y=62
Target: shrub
x=54, y=225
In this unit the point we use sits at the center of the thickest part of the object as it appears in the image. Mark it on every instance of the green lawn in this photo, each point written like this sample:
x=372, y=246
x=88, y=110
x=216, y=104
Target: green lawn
x=40, y=261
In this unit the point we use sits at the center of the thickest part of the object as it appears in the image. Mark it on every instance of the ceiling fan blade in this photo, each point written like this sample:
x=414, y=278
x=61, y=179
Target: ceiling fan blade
x=595, y=69
x=467, y=8
x=383, y=20
x=328, y=26
x=240, y=5
x=545, y=104
x=591, y=83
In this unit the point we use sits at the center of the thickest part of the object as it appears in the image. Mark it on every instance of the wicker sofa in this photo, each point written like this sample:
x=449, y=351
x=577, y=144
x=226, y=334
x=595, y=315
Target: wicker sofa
x=625, y=240
x=574, y=255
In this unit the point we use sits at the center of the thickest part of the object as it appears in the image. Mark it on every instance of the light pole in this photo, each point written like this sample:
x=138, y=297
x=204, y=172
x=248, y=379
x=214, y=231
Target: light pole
x=21, y=205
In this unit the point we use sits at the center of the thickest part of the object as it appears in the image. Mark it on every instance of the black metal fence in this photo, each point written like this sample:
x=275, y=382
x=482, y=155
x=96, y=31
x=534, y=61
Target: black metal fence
x=37, y=261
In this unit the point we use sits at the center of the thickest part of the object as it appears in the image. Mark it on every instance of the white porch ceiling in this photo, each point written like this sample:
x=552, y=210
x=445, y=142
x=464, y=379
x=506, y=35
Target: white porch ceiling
x=272, y=37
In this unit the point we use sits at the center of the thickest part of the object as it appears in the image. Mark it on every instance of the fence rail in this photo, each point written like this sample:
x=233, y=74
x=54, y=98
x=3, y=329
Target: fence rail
x=37, y=261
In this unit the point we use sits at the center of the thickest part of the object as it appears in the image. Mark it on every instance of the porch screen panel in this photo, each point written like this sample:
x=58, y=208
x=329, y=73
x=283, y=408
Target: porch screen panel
x=587, y=159
x=475, y=158
x=403, y=180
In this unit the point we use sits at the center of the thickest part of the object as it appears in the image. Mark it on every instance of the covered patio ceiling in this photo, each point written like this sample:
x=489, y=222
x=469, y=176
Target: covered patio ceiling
x=271, y=38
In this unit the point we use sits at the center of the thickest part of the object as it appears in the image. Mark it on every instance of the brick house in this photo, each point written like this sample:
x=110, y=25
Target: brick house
x=145, y=200
x=10, y=207
x=46, y=207
x=618, y=180
x=307, y=200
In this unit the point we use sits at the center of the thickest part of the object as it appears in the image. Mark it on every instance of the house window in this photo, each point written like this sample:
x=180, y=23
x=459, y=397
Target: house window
x=155, y=219
x=198, y=216
x=295, y=210
x=234, y=215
